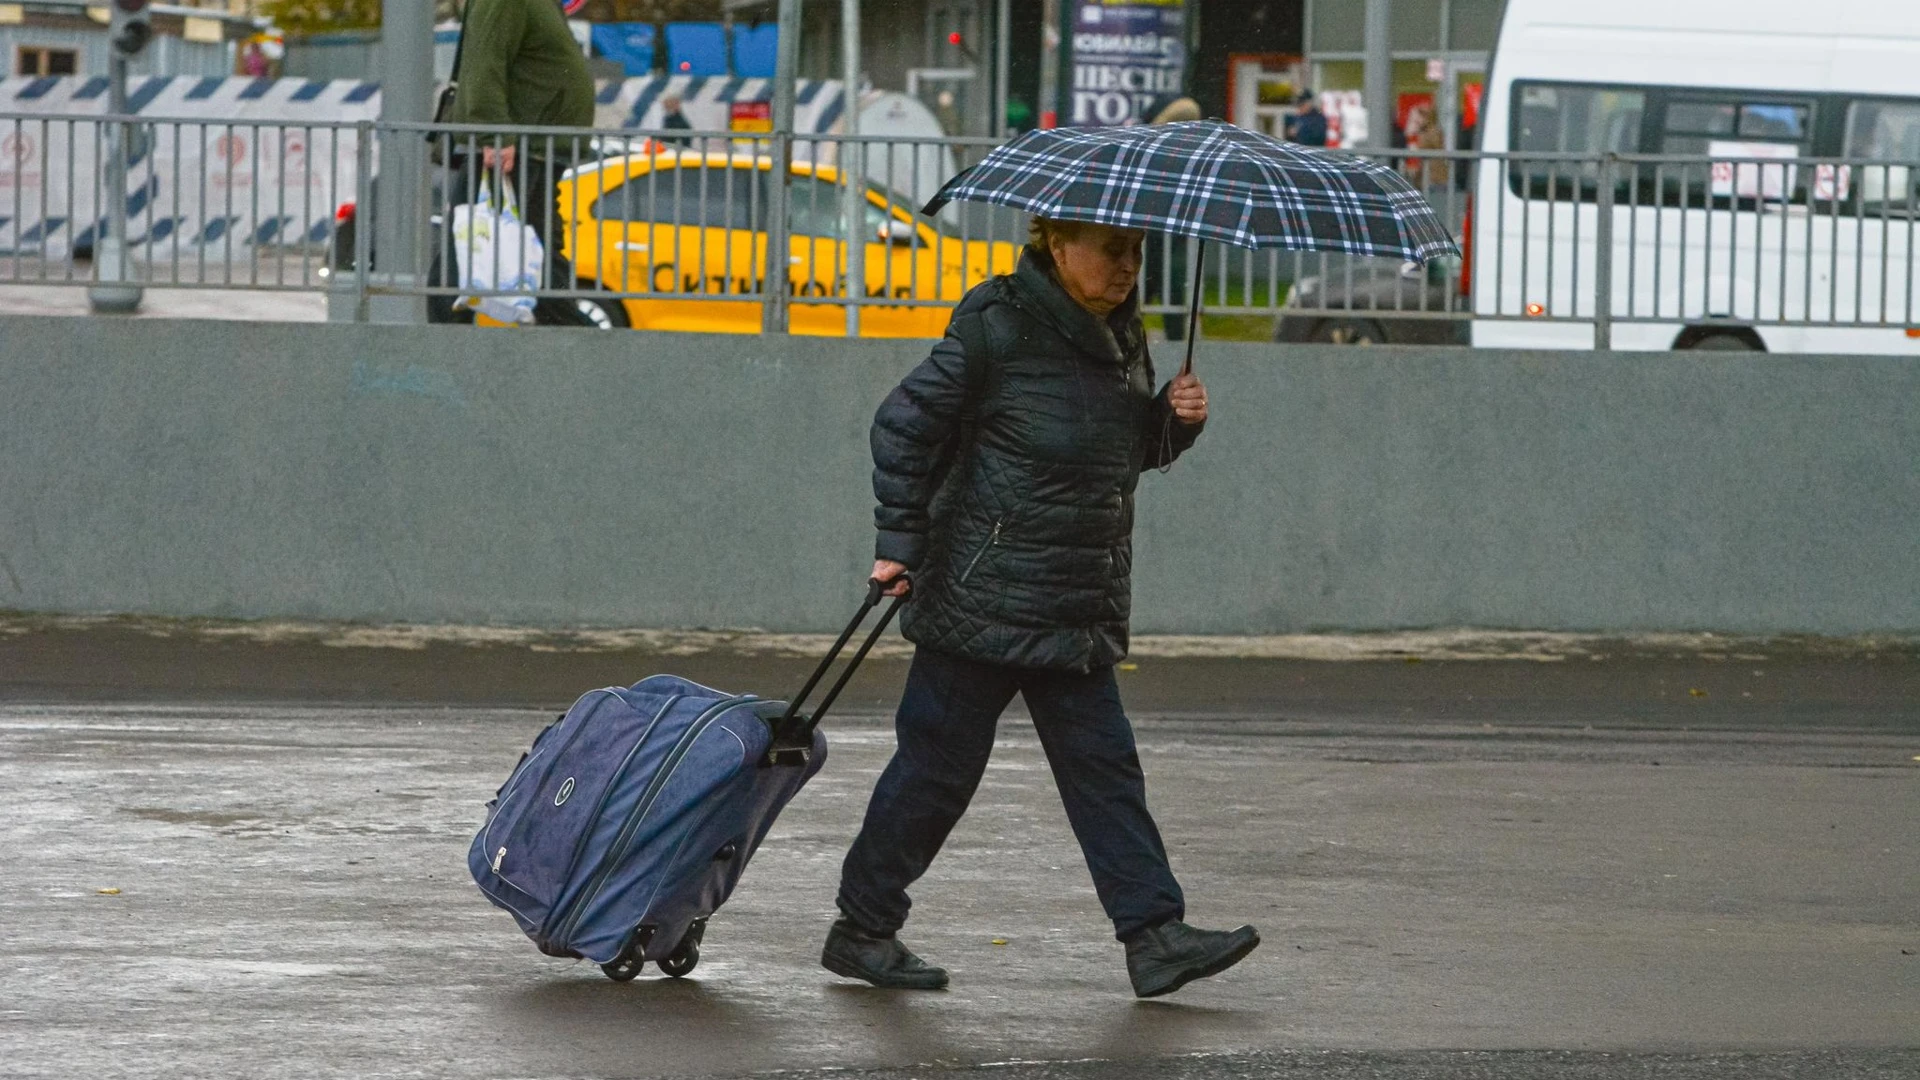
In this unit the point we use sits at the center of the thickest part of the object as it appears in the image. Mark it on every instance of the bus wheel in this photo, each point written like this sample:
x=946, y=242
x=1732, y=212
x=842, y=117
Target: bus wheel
x=1350, y=332
x=1708, y=340
x=607, y=314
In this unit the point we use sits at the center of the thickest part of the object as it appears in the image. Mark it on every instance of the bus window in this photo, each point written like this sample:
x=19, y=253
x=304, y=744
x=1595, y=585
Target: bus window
x=1568, y=119
x=1885, y=131
x=1692, y=126
x=1694, y=119
x=1773, y=122
x=1731, y=128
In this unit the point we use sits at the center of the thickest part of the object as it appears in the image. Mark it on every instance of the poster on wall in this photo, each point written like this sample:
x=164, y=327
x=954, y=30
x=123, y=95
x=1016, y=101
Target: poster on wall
x=1124, y=54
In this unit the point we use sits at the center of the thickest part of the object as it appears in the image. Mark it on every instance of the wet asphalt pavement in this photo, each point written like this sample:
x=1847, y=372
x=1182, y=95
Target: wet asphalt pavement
x=1659, y=864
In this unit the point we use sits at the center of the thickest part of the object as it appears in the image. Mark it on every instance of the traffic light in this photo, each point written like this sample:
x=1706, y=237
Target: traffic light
x=131, y=26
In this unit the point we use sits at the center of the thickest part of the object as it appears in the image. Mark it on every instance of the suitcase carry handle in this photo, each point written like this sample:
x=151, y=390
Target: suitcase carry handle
x=793, y=735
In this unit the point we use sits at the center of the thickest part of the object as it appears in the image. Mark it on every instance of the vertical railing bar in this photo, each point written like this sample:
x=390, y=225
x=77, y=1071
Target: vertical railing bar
x=226, y=234
x=1573, y=272
x=306, y=207
x=888, y=290
x=474, y=162
x=206, y=208
x=253, y=204
x=332, y=207
x=1906, y=263
x=1633, y=241
x=1686, y=230
x=1759, y=237
x=1553, y=238
x=1602, y=253
x=570, y=224
x=1886, y=226
x=940, y=243
x=363, y=213
x=149, y=159
x=1806, y=259
x=703, y=214
x=1526, y=243
x=1705, y=285
x=73, y=195
x=1659, y=230
x=18, y=165
x=1786, y=222
x=45, y=195
x=555, y=238
x=913, y=264
x=1833, y=264
x=1859, y=256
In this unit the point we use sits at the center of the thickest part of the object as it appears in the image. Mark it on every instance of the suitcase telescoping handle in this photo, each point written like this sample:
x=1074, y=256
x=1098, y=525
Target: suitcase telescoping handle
x=792, y=733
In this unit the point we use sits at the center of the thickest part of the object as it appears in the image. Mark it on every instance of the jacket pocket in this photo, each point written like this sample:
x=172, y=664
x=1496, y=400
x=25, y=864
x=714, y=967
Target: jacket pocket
x=993, y=541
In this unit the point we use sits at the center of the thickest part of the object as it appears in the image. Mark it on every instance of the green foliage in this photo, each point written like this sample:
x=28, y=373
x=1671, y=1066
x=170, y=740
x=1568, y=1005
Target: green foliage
x=299, y=18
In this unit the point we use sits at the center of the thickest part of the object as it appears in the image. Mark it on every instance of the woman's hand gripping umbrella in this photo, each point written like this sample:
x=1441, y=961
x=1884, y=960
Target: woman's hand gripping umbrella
x=1212, y=181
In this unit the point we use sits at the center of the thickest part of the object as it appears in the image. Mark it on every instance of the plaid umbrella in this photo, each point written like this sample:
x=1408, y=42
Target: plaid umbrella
x=1210, y=180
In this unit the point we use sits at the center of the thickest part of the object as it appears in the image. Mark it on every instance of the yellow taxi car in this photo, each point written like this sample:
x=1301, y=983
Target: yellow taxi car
x=681, y=223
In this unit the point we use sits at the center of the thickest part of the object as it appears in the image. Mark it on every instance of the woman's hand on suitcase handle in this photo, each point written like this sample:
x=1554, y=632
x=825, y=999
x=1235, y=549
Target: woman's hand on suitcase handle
x=888, y=572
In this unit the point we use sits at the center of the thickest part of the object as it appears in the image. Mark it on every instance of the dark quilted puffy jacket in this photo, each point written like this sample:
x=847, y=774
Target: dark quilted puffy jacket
x=1016, y=514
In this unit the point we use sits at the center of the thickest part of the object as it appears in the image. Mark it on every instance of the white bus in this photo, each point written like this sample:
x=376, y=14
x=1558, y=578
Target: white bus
x=1728, y=228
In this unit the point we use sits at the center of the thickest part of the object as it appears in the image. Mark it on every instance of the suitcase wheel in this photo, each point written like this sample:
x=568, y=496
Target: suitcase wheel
x=686, y=955
x=624, y=969
x=683, y=961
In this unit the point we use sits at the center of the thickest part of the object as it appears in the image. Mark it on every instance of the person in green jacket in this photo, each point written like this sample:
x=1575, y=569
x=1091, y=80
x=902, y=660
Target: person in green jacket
x=520, y=66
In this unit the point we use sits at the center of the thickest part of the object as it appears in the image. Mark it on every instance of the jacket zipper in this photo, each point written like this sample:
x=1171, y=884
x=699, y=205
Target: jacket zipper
x=618, y=852
x=992, y=539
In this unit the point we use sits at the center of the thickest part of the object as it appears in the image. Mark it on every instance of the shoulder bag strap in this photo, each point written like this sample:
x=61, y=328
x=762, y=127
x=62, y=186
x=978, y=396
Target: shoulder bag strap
x=444, y=107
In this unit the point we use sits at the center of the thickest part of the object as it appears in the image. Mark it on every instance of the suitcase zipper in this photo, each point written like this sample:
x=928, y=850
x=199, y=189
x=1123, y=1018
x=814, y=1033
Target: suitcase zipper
x=618, y=853
x=507, y=793
x=580, y=845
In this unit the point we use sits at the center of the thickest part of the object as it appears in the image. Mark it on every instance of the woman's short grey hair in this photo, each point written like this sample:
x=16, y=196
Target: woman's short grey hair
x=1043, y=231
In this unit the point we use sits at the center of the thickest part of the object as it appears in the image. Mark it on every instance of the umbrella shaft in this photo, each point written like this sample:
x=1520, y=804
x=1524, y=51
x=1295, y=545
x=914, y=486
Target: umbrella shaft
x=1193, y=303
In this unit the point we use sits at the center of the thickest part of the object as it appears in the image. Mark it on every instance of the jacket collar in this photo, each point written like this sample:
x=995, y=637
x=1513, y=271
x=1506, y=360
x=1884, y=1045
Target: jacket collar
x=1114, y=339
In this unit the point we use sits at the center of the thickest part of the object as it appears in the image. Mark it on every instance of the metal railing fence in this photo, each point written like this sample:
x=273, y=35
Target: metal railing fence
x=671, y=228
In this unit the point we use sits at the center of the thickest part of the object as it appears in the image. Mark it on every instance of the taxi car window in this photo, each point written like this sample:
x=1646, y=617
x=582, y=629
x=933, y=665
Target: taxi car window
x=817, y=210
x=688, y=195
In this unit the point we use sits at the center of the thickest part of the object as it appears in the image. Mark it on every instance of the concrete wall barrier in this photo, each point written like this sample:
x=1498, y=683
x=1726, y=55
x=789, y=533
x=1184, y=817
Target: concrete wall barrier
x=572, y=478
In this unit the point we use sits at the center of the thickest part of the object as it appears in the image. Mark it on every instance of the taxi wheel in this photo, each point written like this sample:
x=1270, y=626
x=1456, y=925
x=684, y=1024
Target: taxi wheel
x=605, y=314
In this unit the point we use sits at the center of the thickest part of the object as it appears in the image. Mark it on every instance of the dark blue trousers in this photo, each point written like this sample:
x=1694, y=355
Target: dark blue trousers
x=945, y=730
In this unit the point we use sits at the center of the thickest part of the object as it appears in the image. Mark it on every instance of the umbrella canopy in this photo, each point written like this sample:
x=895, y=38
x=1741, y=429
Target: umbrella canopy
x=1211, y=180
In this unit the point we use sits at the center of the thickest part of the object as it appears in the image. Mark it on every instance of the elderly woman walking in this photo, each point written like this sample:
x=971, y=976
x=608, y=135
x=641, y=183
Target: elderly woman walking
x=1005, y=466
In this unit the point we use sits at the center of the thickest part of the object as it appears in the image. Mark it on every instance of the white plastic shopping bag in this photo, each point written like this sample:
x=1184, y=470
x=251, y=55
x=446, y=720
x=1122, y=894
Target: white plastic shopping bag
x=497, y=252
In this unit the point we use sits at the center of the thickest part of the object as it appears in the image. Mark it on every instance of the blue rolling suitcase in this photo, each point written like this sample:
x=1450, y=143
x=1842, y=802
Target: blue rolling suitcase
x=630, y=820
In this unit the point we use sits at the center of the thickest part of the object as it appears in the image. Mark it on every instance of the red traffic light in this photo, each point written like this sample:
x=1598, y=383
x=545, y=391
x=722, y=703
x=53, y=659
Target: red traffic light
x=953, y=38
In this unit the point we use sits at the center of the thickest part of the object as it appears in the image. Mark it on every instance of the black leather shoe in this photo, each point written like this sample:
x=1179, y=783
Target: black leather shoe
x=882, y=961
x=1173, y=954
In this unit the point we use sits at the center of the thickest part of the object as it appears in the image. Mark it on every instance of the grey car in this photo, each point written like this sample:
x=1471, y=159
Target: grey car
x=1373, y=302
